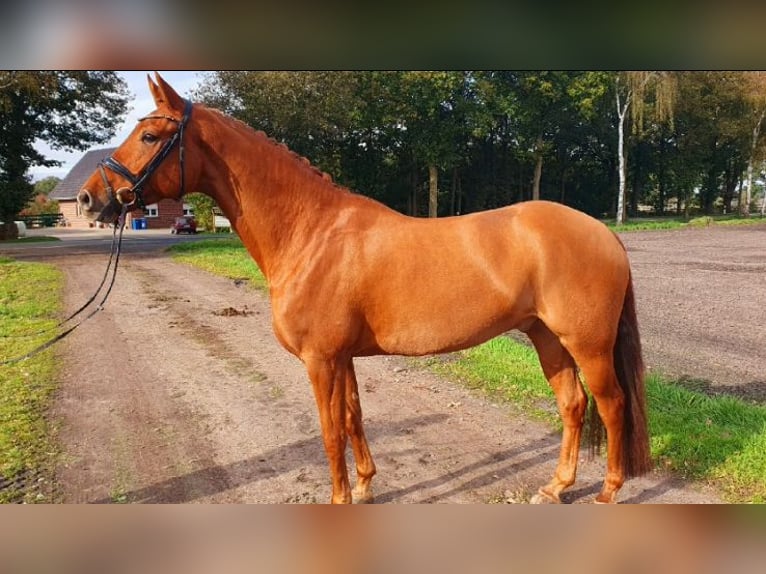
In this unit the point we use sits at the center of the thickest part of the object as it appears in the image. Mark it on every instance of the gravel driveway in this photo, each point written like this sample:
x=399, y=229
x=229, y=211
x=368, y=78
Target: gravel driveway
x=701, y=296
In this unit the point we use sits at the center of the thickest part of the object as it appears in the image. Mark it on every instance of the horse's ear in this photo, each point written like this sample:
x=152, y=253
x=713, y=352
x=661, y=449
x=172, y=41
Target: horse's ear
x=163, y=93
x=154, y=89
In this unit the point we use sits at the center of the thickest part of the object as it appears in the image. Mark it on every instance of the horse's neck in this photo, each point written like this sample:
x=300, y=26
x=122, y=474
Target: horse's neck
x=271, y=196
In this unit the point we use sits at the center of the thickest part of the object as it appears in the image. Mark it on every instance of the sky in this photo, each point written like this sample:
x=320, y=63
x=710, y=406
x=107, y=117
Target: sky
x=140, y=104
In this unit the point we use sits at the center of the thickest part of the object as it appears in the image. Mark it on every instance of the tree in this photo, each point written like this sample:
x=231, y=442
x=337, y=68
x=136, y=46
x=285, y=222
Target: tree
x=497, y=137
x=68, y=109
x=717, y=133
x=549, y=115
x=311, y=112
x=631, y=91
x=203, y=206
x=366, y=129
x=47, y=184
x=755, y=96
x=542, y=109
x=431, y=115
x=40, y=203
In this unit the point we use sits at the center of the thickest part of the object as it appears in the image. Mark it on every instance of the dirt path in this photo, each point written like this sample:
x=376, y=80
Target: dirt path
x=168, y=397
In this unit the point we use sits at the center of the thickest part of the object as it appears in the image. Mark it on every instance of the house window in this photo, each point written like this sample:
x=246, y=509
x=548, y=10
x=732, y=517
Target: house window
x=152, y=210
x=188, y=209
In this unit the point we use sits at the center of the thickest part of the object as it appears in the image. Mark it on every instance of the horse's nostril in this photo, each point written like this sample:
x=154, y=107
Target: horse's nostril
x=84, y=199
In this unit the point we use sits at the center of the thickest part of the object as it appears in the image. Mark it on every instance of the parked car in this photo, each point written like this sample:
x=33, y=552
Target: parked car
x=184, y=225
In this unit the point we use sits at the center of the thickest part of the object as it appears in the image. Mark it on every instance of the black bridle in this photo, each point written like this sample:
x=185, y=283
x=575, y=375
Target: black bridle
x=115, y=212
x=112, y=209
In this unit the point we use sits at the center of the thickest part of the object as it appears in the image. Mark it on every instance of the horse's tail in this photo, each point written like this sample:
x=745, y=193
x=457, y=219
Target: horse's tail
x=629, y=368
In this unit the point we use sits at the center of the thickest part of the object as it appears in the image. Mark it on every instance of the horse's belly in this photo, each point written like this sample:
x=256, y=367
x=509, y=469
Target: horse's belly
x=433, y=332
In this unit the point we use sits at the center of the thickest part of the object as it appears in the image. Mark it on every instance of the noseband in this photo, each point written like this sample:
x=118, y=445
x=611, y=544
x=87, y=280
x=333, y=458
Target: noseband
x=137, y=181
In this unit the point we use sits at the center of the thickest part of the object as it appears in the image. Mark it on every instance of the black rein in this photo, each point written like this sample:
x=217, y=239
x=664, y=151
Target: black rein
x=115, y=212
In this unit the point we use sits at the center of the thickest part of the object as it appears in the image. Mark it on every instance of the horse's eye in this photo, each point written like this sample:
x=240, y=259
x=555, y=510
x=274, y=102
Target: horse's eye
x=149, y=138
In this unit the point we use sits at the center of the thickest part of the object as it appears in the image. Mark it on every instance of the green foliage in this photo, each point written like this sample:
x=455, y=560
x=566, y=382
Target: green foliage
x=203, y=210
x=26, y=387
x=225, y=257
x=68, y=109
x=46, y=185
x=486, y=132
x=40, y=205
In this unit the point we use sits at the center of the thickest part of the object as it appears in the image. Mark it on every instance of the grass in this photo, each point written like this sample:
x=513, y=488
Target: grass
x=719, y=440
x=31, y=239
x=29, y=302
x=225, y=257
x=506, y=371
x=655, y=224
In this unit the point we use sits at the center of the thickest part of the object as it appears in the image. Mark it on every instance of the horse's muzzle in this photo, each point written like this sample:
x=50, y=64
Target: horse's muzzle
x=90, y=208
x=85, y=200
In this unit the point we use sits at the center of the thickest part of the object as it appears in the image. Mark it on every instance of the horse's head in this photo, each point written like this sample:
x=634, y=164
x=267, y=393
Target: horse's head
x=149, y=165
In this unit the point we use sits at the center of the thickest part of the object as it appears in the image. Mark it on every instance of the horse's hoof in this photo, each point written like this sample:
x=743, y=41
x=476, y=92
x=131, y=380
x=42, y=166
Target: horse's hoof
x=363, y=497
x=606, y=499
x=543, y=497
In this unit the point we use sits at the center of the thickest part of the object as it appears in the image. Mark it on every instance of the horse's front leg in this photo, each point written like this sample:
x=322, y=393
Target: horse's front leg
x=329, y=379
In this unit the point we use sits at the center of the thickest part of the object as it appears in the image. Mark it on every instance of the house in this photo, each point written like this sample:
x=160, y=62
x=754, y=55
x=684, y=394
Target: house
x=158, y=215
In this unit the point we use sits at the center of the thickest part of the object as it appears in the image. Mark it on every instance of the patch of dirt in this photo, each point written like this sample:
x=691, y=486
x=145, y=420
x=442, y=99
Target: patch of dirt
x=163, y=398
x=701, y=299
x=232, y=312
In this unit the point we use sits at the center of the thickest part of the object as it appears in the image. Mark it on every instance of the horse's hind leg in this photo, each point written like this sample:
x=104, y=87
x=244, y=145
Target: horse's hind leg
x=610, y=401
x=365, y=467
x=560, y=370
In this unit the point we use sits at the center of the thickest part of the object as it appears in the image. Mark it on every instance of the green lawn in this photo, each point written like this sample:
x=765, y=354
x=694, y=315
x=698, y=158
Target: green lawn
x=32, y=239
x=225, y=257
x=654, y=224
x=719, y=440
x=29, y=302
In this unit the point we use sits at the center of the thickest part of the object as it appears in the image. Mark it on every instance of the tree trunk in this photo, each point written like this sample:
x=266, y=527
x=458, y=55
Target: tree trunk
x=563, y=185
x=414, y=194
x=455, y=202
x=433, y=190
x=660, y=205
x=538, y=168
x=621, y=113
x=9, y=230
x=744, y=204
x=709, y=189
x=522, y=181
x=729, y=184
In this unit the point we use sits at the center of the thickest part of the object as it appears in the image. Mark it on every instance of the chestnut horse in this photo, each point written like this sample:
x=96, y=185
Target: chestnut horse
x=349, y=277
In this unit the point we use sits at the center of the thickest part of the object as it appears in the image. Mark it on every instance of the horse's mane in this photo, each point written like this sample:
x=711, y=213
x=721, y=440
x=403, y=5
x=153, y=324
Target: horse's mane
x=242, y=126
